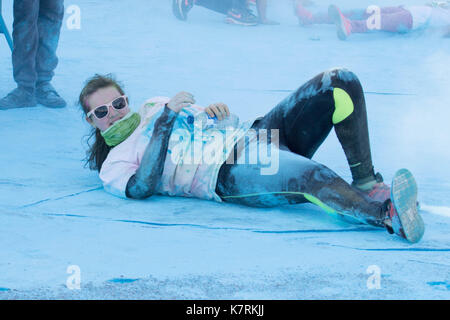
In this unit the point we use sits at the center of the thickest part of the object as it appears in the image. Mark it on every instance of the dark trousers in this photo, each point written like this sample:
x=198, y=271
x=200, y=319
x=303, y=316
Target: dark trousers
x=222, y=6
x=304, y=120
x=36, y=29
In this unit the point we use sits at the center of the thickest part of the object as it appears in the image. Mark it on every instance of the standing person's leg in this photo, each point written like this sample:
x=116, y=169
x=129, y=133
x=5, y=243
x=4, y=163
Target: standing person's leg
x=25, y=41
x=51, y=13
x=333, y=99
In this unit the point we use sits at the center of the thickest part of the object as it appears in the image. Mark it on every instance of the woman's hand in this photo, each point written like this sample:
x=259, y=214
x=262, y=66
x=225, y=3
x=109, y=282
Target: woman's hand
x=220, y=110
x=180, y=100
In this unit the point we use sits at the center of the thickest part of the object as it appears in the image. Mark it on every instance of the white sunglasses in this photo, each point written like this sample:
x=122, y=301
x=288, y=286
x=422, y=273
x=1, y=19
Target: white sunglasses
x=102, y=111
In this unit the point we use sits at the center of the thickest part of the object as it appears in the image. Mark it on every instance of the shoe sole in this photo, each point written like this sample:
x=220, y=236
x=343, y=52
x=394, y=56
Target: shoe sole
x=404, y=199
x=334, y=14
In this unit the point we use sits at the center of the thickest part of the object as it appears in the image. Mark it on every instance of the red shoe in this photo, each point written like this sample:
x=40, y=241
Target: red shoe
x=379, y=192
x=304, y=16
x=343, y=25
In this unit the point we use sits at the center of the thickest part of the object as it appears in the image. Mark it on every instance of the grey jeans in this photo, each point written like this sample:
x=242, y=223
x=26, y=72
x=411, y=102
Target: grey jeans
x=36, y=29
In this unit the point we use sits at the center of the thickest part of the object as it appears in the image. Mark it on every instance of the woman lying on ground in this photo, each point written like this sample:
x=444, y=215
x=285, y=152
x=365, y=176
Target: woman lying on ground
x=401, y=19
x=164, y=149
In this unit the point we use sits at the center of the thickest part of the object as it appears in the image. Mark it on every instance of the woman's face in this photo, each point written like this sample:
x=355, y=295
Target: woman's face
x=101, y=97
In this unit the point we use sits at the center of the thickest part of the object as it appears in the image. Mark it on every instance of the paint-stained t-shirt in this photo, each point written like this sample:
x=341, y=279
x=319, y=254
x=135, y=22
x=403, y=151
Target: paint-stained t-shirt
x=194, y=155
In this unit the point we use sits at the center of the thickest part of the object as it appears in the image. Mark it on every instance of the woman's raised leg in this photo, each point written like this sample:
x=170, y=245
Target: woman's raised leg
x=332, y=99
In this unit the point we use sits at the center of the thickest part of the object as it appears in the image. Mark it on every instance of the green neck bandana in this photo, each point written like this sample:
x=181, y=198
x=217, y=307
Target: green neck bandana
x=121, y=129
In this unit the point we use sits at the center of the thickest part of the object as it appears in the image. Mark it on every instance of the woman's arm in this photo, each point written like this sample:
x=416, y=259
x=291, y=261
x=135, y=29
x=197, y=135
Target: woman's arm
x=143, y=183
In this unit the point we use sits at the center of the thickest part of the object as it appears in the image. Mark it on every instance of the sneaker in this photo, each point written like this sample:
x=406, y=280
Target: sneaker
x=343, y=25
x=47, y=96
x=397, y=224
x=392, y=221
x=304, y=16
x=180, y=8
x=375, y=189
x=18, y=98
x=241, y=17
x=401, y=211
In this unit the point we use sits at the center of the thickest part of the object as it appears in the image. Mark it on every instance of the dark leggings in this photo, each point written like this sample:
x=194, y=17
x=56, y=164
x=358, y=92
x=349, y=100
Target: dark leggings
x=304, y=120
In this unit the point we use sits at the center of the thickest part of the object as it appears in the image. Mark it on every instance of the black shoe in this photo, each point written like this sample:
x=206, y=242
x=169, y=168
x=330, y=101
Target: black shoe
x=241, y=17
x=48, y=97
x=181, y=8
x=18, y=98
